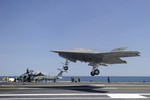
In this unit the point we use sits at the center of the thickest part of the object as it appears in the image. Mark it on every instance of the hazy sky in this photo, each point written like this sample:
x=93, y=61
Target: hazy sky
x=29, y=29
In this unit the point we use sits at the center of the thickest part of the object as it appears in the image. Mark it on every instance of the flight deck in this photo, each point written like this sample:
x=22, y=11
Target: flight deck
x=78, y=91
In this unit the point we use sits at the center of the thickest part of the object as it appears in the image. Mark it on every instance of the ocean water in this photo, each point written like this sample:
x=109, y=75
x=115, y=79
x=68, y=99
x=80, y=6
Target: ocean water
x=111, y=78
x=104, y=78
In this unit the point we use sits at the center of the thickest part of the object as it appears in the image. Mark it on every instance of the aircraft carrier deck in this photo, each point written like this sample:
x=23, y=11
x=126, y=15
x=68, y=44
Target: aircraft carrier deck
x=74, y=91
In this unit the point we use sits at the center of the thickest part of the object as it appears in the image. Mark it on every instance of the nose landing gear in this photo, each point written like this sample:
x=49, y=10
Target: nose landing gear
x=65, y=67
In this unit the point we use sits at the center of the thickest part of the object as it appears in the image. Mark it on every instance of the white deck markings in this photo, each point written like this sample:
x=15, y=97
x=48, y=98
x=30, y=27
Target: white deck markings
x=77, y=96
x=126, y=96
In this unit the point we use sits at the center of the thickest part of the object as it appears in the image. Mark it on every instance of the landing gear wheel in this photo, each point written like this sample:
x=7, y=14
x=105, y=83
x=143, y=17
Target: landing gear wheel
x=92, y=73
x=65, y=68
x=96, y=71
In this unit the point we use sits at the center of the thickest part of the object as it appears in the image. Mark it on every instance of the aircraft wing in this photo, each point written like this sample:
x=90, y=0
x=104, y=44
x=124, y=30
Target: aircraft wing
x=113, y=60
x=78, y=56
x=113, y=57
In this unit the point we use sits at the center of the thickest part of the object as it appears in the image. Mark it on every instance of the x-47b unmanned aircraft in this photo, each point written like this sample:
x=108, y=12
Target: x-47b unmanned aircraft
x=96, y=59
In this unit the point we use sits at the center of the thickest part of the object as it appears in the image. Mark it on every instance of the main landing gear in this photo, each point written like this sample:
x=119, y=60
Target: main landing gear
x=95, y=72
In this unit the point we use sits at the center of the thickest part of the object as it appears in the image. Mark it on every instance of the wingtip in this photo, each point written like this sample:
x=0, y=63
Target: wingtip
x=138, y=53
x=53, y=51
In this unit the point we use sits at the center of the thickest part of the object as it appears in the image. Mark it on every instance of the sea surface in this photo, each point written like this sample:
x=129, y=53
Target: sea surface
x=104, y=78
x=111, y=78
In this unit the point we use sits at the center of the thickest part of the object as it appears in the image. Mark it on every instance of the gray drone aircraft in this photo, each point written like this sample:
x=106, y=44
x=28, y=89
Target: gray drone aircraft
x=96, y=59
